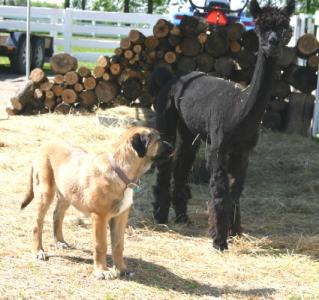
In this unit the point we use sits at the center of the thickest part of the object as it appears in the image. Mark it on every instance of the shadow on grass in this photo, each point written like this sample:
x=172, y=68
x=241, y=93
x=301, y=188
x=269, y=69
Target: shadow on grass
x=154, y=275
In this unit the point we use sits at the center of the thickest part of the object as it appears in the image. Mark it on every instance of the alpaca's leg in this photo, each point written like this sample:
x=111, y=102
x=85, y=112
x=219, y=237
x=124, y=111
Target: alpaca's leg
x=166, y=125
x=219, y=207
x=238, y=164
x=185, y=157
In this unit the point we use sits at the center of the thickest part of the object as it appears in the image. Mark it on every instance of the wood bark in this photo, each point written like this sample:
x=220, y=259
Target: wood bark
x=23, y=97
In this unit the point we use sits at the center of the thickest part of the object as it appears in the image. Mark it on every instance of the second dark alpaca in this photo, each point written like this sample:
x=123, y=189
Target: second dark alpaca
x=200, y=107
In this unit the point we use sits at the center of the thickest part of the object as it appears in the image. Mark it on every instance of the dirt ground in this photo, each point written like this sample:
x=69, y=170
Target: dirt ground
x=276, y=258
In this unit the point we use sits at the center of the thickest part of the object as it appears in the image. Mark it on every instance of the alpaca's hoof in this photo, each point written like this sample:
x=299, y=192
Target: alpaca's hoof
x=183, y=219
x=221, y=246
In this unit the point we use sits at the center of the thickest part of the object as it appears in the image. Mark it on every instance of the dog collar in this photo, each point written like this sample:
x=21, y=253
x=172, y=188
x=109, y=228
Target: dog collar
x=115, y=167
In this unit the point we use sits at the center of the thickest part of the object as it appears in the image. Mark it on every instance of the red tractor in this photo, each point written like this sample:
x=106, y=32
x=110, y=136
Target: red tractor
x=218, y=13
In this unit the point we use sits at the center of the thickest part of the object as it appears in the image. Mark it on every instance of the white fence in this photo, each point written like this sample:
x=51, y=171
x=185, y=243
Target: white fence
x=71, y=27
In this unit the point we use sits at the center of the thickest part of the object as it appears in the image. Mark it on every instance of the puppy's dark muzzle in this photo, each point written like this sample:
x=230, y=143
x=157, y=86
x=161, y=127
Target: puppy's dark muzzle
x=165, y=151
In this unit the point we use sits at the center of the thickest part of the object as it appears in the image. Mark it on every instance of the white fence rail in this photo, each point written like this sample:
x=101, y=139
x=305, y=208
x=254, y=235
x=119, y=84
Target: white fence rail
x=72, y=27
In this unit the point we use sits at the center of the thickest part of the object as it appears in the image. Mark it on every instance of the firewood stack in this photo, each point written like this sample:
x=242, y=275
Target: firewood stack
x=229, y=53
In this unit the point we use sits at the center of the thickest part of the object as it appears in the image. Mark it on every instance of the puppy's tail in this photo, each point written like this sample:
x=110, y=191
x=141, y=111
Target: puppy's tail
x=30, y=194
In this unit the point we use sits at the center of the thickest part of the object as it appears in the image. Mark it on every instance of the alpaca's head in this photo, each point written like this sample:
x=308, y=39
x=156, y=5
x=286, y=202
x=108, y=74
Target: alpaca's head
x=272, y=26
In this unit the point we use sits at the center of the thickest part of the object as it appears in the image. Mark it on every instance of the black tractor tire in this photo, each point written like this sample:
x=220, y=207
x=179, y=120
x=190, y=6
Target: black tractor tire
x=38, y=52
x=18, y=57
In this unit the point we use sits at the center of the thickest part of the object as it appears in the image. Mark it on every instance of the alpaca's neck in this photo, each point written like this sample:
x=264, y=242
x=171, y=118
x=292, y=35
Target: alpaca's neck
x=257, y=96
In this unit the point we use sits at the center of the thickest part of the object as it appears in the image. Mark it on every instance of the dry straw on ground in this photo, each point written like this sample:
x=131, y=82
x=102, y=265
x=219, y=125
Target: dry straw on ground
x=277, y=258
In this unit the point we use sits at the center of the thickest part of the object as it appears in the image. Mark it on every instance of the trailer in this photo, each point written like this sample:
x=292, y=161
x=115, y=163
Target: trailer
x=13, y=46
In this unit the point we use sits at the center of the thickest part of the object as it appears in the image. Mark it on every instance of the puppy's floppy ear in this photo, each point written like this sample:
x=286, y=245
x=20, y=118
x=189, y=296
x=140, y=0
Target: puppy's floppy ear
x=290, y=8
x=140, y=143
x=254, y=8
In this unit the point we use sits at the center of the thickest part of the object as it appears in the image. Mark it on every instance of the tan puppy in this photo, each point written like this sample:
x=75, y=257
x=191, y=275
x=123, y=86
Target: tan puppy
x=97, y=185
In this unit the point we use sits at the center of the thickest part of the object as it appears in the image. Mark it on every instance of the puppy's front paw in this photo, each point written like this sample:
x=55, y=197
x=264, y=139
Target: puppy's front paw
x=41, y=255
x=62, y=245
x=108, y=274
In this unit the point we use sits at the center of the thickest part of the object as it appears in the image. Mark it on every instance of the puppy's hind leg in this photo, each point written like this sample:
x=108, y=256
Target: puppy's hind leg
x=58, y=216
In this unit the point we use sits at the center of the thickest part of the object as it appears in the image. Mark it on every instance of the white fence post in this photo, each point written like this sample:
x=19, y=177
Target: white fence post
x=67, y=34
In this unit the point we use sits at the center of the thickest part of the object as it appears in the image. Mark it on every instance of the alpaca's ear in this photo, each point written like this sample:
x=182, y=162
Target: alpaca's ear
x=254, y=8
x=290, y=8
x=140, y=143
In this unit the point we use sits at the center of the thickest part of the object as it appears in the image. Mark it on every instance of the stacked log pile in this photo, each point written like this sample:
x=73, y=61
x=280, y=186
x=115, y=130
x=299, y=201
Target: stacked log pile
x=229, y=53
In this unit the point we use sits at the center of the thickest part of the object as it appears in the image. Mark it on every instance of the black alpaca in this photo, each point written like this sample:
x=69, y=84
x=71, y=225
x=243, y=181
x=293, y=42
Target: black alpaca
x=200, y=107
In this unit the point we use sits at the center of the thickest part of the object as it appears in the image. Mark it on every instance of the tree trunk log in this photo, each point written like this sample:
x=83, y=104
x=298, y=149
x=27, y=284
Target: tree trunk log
x=250, y=41
x=307, y=45
x=103, y=61
x=217, y=43
x=246, y=58
x=204, y=62
x=46, y=85
x=192, y=26
x=303, y=79
x=62, y=63
x=287, y=57
x=224, y=66
x=132, y=89
x=89, y=83
x=84, y=72
x=106, y=91
x=58, y=79
x=186, y=64
x=69, y=96
x=62, y=108
x=23, y=97
x=57, y=90
x=162, y=28
x=78, y=87
x=299, y=114
x=136, y=37
x=98, y=71
x=190, y=46
x=71, y=78
x=313, y=62
x=37, y=75
x=235, y=31
x=151, y=42
x=280, y=89
x=87, y=99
